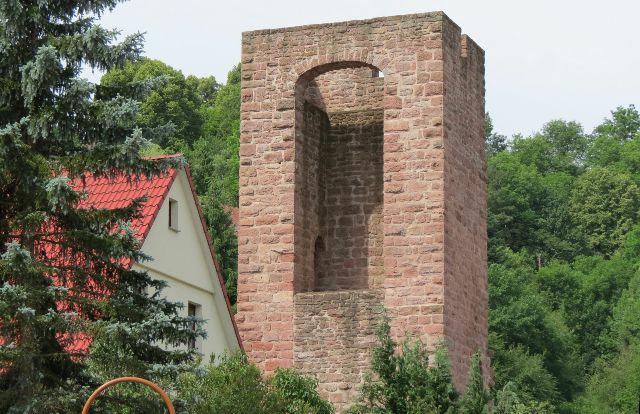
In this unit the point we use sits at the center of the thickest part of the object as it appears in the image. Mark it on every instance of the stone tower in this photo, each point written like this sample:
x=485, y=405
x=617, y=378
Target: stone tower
x=362, y=185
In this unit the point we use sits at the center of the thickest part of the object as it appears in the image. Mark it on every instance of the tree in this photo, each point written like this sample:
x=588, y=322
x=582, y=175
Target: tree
x=528, y=209
x=516, y=368
x=405, y=382
x=604, y=206
x=616, y=142
x=514, y=200
x=615, y=383
x=559, y=147
x=409, y=382
x=215, y=165
x=624, y=124
x=300, y=393
x=234, y=386
x=63, y=270
x=508, y=402
x=524, y=327
x=177, y=100
x=494, y=142
x=615, y=386
x=476, y=397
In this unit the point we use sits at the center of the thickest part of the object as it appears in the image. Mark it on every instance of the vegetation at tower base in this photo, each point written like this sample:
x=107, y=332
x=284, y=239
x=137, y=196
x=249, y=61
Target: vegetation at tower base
x=64, y=273
x=409, y=382
x=405, y=382
x=234, y=386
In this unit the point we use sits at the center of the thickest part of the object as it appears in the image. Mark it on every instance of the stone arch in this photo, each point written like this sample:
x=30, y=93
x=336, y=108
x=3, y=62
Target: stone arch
x=339, y=138
x=311, y=69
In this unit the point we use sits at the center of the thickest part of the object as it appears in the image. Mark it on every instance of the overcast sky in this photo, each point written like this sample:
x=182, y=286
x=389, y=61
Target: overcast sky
x=570, y=59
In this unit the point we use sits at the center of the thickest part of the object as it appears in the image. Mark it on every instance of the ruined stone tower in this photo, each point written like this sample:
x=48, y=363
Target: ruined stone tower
x=362, y=184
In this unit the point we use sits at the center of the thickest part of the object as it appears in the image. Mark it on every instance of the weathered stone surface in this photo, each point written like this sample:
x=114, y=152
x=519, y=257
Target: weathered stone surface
x=362, y=183
x=334, y=333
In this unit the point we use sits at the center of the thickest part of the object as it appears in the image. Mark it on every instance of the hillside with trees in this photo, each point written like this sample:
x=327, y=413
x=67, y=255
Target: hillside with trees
x=564, y=258
x=564, y=244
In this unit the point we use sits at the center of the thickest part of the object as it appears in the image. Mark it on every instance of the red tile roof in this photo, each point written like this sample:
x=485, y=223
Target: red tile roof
x=120, y=191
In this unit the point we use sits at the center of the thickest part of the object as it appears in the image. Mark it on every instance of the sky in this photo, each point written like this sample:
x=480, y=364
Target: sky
x=570, y=59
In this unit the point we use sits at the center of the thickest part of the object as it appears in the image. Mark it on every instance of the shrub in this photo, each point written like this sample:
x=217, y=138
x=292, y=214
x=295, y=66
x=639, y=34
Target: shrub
x=407, y=383
x=232, y=385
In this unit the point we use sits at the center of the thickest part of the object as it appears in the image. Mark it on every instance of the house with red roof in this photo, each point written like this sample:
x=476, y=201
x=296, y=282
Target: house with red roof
x=172, y=230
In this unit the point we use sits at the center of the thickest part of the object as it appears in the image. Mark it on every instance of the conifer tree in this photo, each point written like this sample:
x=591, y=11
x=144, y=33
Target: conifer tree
x=63, y=270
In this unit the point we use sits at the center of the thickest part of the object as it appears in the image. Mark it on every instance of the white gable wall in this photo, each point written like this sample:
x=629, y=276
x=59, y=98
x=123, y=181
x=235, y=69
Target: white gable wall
x=182, y=259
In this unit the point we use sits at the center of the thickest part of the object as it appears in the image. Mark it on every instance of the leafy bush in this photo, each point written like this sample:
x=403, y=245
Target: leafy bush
x=407, y=382
x=235, y=386
x=299, y=393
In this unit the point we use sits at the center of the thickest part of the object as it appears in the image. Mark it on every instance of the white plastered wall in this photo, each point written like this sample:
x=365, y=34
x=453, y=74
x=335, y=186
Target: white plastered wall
x=182, y=259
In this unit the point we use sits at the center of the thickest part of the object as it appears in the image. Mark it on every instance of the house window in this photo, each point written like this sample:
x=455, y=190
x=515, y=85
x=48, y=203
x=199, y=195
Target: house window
x=195, y=311
x=173, y=214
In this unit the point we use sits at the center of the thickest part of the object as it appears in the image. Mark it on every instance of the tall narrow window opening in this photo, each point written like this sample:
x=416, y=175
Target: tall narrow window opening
x=173, y=214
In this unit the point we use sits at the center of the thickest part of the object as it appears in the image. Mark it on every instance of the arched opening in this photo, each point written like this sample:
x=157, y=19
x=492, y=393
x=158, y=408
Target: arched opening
x=339, y=177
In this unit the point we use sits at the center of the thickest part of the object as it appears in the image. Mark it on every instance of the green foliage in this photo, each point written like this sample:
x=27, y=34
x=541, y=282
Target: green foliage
x=605, y=205
x=215, y=165
x=529, y=189
x=54, y=126
x=624, y=124
x=409, y=382
x=299, y=393
x=476, y=396
x=494, y=142
x=174, y=100
x=525, y=327
x=615, y=144
x=508, y=402
x=215, y=157
x=563, y=310
x=234, y=386
x=405, y=383
x=615, y=386
x=514, y=200
x=559, y=147
x=517, y=368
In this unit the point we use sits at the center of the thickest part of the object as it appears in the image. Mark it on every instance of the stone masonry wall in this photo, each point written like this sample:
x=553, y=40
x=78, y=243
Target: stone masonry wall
x=334, y=334
x=311, y=193
x=465, y=204
x=346, y=90
x=433, y=212
x=352, y=223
